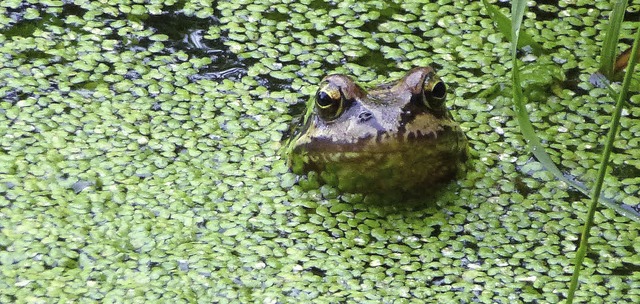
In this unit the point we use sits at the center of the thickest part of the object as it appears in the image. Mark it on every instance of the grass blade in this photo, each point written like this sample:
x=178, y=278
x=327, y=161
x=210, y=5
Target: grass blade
x=504, y=25
x=613, y=128
x=533, y=141
x=610, y=43
x=528, y=132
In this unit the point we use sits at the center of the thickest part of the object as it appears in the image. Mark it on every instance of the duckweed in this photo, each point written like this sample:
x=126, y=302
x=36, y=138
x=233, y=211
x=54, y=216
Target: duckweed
x=138, y=165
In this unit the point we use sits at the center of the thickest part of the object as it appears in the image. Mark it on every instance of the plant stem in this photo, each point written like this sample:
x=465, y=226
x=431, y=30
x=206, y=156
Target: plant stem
x=613, y=128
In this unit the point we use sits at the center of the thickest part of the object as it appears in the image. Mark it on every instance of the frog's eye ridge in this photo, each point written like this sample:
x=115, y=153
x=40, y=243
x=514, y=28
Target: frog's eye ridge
x=330, y=102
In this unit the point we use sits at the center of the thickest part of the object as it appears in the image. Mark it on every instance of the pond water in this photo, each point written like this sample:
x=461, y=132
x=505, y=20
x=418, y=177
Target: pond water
x=141, y=156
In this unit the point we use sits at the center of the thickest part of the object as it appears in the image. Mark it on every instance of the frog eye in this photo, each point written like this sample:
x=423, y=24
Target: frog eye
x=330, y=102
x=435, y=93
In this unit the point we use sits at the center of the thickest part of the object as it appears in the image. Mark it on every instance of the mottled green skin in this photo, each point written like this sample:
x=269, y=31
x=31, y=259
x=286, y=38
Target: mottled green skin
x=401, y=146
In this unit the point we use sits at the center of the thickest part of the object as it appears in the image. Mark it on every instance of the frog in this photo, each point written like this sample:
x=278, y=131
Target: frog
x=395, y=137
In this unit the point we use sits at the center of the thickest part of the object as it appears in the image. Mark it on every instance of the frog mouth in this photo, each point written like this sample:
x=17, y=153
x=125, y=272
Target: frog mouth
x=410, y=143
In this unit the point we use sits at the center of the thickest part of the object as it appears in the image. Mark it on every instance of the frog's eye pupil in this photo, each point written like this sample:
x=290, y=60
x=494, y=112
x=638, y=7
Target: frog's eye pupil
x=323, y=99
x=330, y=103
x=435, y=95
x=439, y=90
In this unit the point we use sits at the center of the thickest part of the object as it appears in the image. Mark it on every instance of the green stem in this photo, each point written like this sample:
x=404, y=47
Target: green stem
x=610, y=43
x=613, y=128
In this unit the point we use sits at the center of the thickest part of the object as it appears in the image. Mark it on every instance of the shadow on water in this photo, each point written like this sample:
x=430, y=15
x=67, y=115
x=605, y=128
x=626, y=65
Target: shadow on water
x=428, y=200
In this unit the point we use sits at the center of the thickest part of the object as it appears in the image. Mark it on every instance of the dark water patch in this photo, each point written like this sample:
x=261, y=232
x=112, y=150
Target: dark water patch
x=572, y=81
x=545, y=10
x=12, y=95
x=19, y=26
x=386, y=14
x=574, y=194
x=275, y=15
x=25, y=27
x=188, y=34
x=216, y=75
x=391, y=8
x=22, y=28
x=627, y=269
x=274, y=84
x=317, y=271
x=371, y=26
x=376, y=61
x=632, y=13
x=623, y=171
x=319, y=4
x=71, y=9
x=521, y=186
x=30, y=55
x=177, y=25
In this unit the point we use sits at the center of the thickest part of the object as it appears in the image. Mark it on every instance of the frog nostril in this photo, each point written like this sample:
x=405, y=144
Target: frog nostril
x=364, y=116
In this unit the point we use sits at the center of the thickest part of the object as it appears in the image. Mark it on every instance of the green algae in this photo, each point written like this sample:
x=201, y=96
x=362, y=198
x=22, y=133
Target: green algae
x=136, y=167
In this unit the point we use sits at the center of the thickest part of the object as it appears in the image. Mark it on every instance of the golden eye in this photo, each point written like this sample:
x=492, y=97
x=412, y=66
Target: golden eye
x=435, y=92
x=330, y=102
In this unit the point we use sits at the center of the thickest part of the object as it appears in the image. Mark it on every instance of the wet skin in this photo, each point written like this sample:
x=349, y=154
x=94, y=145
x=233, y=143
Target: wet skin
x=395, y=137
